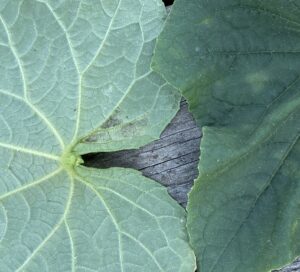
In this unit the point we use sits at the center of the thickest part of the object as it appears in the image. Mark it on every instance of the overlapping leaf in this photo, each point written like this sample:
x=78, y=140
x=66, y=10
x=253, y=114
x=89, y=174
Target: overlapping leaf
x=237, y=62
x=76, y=78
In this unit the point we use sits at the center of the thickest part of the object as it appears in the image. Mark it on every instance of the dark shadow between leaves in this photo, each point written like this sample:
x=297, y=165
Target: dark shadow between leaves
x=168, y=2
x=172, y=160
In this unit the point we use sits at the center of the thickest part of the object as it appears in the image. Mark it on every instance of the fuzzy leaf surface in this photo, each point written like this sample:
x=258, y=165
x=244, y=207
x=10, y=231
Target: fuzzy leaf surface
x=76, y=78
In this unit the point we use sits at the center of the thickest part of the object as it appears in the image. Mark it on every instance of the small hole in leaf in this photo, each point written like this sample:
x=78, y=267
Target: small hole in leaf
x=168, y=2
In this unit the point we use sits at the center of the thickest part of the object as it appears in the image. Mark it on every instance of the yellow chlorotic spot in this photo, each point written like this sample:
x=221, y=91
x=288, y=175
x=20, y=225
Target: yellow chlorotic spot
x=257, y=80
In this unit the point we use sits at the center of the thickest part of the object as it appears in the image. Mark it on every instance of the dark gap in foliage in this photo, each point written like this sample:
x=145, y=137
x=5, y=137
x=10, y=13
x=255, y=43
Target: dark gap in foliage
x=106, y=160
x=168, y=2
x=172, y=160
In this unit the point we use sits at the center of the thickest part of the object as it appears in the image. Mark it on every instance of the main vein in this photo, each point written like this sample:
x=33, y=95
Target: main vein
x=120, y=231
x=112, y=216
x=251, y=210
x=89, y=65
x=29, y=151
x=22, y=72
x=31, y=184
x=54, y=230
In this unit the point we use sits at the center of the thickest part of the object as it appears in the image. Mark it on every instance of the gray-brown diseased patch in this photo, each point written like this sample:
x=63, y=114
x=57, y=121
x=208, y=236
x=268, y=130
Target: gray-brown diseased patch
x=113, y=120
x=91, y=139
x=131, y=129
x=97, y=136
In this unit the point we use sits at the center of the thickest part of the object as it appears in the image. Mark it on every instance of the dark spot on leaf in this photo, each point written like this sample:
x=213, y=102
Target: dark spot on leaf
x=168, y=2
x=131, y=128
x=91, y=139
x=112, y=121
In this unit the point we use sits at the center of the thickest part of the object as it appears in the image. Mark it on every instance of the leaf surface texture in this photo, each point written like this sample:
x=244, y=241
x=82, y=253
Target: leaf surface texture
x=237, y=63
x=76, y=78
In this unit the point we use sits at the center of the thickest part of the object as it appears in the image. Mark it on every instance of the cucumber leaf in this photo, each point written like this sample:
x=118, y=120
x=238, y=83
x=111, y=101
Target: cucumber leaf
x=76, y=78
x=238, y=65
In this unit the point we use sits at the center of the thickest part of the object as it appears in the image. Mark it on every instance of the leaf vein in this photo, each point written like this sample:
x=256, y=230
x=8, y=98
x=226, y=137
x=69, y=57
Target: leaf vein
x=268, y=184
x=31, y=184
x=30, y=151
x=73, y=256
x=54, y=230
x=113, y=218
x=14, y=52
x=88, y=66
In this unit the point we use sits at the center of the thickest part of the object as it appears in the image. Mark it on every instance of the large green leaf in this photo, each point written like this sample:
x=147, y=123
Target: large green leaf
x=76, y=78
x=238, y=64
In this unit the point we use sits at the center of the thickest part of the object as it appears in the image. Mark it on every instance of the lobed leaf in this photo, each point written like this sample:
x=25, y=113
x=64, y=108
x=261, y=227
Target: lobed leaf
x=76, y=78
x=237, y=63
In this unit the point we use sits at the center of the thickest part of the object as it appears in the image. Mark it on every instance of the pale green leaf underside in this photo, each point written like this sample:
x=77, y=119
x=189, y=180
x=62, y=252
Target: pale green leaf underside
x=240, y=72
x=76, y=78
